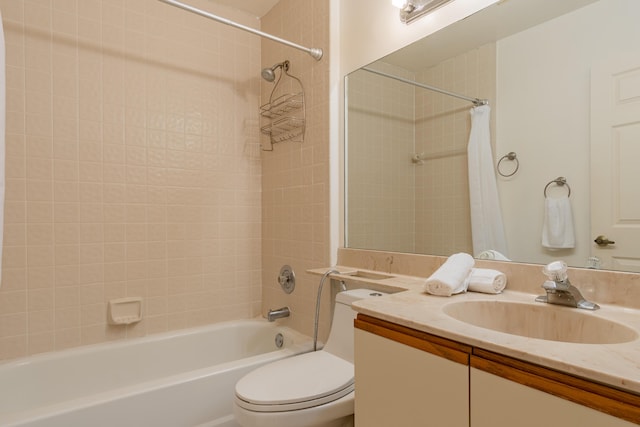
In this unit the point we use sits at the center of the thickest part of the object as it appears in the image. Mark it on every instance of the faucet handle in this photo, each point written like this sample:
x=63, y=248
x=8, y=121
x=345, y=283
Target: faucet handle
x=550, y=286
x=556, y=271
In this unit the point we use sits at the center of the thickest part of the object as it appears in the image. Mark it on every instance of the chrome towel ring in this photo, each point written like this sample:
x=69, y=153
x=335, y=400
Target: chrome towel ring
x=509, y=156
x=560, y=181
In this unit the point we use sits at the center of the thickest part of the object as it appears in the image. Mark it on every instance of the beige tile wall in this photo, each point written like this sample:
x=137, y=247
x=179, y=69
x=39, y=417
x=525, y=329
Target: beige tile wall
x=442, y=132
x=394, y=204
x=380, y=142
x=133, y=169
x=295, y=186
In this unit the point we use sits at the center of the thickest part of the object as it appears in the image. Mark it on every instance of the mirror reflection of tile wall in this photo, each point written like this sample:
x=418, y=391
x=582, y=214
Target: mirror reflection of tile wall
x=396, y=204
x=381, y=202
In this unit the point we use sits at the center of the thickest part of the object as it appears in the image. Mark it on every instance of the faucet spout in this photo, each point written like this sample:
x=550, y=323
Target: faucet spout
x=278, y=314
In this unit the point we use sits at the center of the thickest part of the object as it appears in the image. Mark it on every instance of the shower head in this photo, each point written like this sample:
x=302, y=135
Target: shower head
x=269, y=73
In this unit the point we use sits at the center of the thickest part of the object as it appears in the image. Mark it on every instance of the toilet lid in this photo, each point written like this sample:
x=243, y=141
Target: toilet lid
x=298, y=382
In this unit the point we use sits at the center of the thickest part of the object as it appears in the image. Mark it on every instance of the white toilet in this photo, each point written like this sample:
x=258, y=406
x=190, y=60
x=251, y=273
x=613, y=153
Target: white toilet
x=310, y=390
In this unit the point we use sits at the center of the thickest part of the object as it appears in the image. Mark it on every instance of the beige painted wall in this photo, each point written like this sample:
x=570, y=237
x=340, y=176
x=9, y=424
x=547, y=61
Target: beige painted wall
x=551, y=132
x=133, y=169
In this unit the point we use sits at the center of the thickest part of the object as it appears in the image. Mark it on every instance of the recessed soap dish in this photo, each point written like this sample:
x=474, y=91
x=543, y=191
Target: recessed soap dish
x=125, y=311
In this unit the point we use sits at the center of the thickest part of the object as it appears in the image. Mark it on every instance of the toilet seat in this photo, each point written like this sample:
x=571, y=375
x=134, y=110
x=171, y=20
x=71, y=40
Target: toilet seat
x=300, y=382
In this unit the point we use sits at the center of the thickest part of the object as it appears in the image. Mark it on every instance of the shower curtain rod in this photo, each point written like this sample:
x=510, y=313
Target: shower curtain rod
x=476, y=101
x=316, y=53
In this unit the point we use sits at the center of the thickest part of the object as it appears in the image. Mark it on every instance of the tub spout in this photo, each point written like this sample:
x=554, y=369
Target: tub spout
x=278, y=314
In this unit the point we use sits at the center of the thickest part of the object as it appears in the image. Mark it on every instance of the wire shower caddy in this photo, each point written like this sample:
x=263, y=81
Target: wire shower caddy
x=284, y=118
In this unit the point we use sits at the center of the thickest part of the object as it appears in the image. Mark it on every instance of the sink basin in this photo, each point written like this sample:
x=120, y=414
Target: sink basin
x=541, y=321
x=369, y=275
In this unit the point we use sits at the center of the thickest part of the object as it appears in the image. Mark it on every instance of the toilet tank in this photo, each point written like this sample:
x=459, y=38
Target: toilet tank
x=340, y=342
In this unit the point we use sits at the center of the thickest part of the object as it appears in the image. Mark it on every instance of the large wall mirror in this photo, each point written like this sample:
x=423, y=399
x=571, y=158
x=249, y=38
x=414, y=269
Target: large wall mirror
x=563, y=83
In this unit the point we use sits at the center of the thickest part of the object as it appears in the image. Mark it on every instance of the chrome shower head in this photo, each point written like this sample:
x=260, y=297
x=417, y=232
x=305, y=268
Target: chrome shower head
x=269, y=73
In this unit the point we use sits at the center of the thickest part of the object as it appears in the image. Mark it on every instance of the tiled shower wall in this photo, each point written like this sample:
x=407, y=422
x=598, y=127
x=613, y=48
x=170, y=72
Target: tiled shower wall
x=133, y=169
x=295, y=185
x=442, y=132
x=394, y=204
x=381, y=176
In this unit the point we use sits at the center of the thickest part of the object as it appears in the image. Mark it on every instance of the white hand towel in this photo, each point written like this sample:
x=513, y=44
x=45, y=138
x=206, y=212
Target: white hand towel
x=486, y=280
x=557, y=231
x=450, y=278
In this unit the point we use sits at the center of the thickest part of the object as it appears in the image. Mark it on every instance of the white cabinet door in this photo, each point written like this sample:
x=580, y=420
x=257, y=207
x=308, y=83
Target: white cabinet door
x=398, y=385
x=498, y=402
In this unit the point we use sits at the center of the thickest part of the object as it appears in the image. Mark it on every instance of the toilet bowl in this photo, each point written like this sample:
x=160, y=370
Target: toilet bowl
x=309, y=390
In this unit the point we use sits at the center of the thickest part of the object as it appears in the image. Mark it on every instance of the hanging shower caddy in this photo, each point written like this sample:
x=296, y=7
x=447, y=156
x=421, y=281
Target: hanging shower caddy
x=284, y=118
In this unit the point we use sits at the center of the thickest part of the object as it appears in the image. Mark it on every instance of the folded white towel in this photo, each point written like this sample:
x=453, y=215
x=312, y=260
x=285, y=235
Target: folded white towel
x=492, y=254
x=450, y=278
x=557, y=231
x=486, y=280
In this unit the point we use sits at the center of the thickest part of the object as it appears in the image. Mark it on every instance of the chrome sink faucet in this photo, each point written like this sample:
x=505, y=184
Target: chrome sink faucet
x=560, y=290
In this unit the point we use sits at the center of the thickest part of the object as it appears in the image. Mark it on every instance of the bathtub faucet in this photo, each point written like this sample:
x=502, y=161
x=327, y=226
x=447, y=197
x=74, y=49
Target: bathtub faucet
x=278, y=314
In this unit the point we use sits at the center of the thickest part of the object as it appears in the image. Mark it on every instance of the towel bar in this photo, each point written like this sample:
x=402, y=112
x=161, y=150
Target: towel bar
x=509, y=156
x=561, y=181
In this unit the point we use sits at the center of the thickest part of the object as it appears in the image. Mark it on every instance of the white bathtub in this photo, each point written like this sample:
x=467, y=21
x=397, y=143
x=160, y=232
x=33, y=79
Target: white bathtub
x=179, y=379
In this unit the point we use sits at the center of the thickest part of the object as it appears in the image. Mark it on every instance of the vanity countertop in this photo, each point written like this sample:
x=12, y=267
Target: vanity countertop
x=617, y=365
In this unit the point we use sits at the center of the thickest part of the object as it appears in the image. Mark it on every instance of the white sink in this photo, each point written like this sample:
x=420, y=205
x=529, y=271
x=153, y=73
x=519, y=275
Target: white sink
x=541, y=321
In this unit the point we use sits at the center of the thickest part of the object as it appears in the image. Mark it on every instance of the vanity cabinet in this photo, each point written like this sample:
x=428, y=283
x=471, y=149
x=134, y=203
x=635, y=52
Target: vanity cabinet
x=410, y=378
x=403, y=379
x=496, y=401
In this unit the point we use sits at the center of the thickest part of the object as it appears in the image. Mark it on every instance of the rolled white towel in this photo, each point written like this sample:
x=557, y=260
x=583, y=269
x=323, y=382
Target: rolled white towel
x=450, y=278
x=486, y=280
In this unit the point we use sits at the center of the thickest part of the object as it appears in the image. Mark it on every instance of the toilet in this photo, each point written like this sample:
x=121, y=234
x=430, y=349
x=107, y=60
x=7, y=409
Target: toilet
x=309, y=390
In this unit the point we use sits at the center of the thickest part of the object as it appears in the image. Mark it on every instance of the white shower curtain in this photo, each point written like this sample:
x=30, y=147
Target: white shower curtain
x=2, y=130
x=487, y=228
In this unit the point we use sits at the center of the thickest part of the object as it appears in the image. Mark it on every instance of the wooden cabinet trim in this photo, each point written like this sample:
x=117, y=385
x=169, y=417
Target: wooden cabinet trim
x=614, y=402
x=438, y=346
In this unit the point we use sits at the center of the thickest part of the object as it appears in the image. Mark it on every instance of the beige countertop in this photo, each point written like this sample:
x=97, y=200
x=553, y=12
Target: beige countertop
x=617, y=365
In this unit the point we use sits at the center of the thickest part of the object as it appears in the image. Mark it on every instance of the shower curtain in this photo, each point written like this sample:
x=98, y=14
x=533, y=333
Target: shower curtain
x=487, y=229
x=2, y=130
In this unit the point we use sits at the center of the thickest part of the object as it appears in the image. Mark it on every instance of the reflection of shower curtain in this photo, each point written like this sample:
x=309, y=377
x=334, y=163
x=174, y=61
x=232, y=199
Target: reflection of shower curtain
x=486, y=217
x=2, y=130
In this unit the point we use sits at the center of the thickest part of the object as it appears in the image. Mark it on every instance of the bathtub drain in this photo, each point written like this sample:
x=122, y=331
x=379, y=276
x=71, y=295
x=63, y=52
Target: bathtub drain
x=279, y=340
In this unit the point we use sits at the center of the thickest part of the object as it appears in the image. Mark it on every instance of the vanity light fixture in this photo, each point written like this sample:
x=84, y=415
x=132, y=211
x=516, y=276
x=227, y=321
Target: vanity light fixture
x=400, y=4
x=410, y=10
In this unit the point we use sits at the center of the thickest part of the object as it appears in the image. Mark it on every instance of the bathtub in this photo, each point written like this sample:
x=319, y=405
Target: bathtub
x=183, y=378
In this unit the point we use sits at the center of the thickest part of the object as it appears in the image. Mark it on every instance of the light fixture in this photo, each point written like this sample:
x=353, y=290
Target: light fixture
x=400, y=4
x=410, y=10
